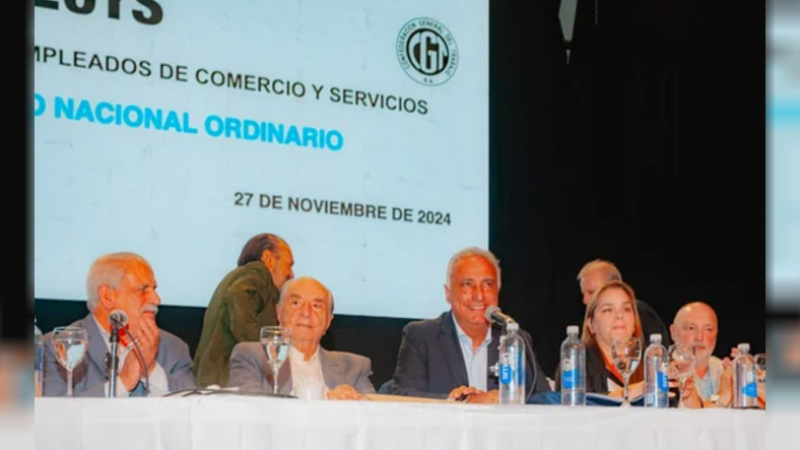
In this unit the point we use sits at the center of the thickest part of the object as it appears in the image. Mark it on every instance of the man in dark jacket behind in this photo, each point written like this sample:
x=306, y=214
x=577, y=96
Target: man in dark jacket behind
x=599, y=272
x=243, y=303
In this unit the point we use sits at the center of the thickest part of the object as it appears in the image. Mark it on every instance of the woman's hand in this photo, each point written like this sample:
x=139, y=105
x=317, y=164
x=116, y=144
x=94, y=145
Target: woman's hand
x=634, y=390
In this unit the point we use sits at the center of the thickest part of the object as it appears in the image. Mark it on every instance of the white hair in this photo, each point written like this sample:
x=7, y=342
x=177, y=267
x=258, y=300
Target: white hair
x=611, y=271
x=108, y=270
x=473, y=251
x=287, y=285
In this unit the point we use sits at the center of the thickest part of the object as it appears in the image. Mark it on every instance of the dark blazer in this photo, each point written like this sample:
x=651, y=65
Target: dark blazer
x=597, y=374
x=430, y=363
x=89, y=377
x=652, y=324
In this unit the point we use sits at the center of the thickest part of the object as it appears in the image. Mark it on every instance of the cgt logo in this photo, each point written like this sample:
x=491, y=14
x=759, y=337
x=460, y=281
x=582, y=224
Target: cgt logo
x=153, y=15
x=427, y=51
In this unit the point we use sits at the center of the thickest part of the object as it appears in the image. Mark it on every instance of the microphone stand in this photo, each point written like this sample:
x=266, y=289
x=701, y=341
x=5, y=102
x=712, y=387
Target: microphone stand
x=529, y=356
x=114, y=339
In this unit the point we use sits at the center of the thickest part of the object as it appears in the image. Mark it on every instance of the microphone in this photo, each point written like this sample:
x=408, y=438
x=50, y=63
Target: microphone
x=118, y=318
x=494, y=315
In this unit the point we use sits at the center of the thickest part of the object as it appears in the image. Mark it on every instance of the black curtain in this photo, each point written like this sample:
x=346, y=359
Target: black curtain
x=641, y=150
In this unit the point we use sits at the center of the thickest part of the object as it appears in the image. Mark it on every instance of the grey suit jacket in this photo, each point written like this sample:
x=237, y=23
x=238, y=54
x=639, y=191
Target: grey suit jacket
x=90, y=376
x=250, y=370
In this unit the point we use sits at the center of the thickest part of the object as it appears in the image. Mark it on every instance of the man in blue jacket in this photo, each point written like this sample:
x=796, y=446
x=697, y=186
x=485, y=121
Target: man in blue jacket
x=450, y=357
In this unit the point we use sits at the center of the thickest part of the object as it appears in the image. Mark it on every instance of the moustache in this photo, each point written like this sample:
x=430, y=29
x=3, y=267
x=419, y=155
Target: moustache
x=149, y=308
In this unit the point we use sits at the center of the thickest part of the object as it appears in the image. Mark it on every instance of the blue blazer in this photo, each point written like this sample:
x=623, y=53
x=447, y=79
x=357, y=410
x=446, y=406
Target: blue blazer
x=430, y=363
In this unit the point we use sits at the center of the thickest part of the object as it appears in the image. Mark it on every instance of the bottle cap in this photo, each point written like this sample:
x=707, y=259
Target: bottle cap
x=512, y=326
x=655, y=337
x=572, y=329
x=744, y=347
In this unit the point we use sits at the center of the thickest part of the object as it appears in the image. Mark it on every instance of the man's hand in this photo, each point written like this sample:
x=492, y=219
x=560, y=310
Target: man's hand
x=463, y=390
x=690, y=398
x=344, y=392
x=492, y=397
x=726, y=384
x=148, y=341
x=131, y=372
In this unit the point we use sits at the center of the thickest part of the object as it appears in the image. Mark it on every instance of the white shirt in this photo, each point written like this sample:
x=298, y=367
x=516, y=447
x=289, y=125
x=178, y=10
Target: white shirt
x=306, y=373
x=477, y=362
x=158, y=383
x=709, y=385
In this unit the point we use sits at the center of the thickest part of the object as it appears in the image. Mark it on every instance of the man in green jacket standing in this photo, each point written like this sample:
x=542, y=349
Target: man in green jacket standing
x=242, y=304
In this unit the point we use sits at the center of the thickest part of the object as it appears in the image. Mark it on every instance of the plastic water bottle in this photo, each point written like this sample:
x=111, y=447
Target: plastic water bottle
x=656, y=381
x=38, y=346
x=744, y=379
x=512, y=367
x=573, y=369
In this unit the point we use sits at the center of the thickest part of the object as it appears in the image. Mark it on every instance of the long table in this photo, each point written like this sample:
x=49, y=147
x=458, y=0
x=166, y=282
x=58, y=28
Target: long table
x=233, y=422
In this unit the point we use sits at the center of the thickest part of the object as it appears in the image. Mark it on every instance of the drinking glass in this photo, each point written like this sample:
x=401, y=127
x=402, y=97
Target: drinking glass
x=761, y=367
x=626, y=354
x=682, y=361
x=276, y=342
x=69, y=344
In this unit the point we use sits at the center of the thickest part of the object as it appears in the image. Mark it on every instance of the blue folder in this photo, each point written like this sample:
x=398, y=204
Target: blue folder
x=592, y=399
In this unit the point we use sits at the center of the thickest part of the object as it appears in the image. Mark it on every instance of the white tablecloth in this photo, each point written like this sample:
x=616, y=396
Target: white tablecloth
x=783, y=430
x=227, y=423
